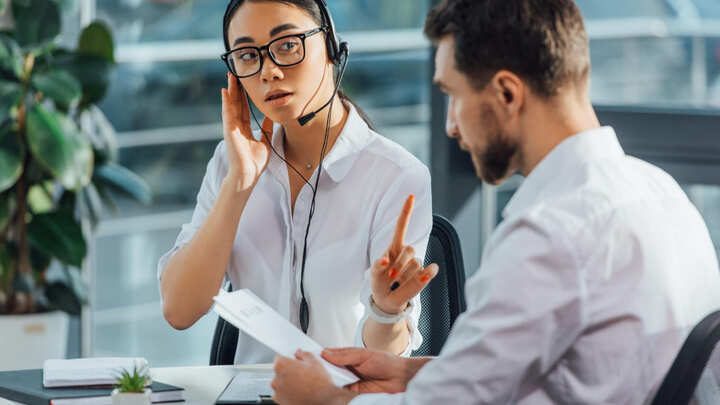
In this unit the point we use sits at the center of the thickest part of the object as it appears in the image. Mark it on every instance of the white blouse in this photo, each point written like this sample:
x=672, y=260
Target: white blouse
x=365, y=181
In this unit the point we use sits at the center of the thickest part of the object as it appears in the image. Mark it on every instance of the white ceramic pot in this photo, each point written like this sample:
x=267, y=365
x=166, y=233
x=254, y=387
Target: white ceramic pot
x=28, y=340
x=126, y=398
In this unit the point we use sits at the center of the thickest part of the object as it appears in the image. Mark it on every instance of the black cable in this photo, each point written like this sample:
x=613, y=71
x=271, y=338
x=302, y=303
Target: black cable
x=304, y=307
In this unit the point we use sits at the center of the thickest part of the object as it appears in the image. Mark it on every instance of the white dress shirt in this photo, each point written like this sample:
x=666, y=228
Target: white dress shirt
x=365, y=181
x=586, y=291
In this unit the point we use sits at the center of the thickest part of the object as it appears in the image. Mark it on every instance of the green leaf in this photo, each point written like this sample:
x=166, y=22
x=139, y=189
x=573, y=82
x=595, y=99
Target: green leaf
x=5, y=209
x=3, y=6
x=11, y=58
x=24, y=3
x=10, y=93
x=105, y=196
x=12, y=155
x=59, y=235
x=36, y=23
x=123, y=180
x=93, y=72
x=60, y=86
x=39, y=261
x=39, y=199
x=5, y=264
x=96, y=40
x=56, y=142
x=62, y=297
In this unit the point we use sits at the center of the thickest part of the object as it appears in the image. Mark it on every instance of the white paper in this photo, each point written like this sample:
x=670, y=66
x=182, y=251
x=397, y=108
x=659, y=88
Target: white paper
x=250, y=314
x=91, y=371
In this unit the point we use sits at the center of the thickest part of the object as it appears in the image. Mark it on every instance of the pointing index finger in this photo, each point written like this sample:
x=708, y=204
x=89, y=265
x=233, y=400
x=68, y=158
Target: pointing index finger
x=398, y=239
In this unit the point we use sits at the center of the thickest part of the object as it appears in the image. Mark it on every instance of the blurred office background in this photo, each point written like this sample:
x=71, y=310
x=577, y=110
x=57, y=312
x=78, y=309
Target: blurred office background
x=656, y=77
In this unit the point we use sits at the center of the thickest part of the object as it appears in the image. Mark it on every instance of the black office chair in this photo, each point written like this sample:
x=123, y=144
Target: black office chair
x=442, y=300
x=697, y=362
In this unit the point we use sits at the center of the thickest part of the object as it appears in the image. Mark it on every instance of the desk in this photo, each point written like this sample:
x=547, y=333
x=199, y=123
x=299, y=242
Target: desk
x=203, y=384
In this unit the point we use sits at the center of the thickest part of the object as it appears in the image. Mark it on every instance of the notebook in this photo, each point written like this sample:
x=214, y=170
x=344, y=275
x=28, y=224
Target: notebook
x=26, y=386
x=248, y=387
x=90, y=371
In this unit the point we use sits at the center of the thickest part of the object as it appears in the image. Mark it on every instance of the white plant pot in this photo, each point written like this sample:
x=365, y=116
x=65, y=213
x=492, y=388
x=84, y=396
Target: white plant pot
x=28, y=340
x=126, y=398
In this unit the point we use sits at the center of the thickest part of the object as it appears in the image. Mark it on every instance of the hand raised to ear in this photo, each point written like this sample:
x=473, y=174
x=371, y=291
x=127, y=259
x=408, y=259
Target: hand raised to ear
x=247, y=157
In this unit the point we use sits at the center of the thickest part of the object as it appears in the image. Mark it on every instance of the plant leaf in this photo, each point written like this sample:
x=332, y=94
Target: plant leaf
x=93, y=72
x=39, y=261
x=5, y=209
x=11, y=58
x=97, y=40
x=60, y=86
x=39, y=199
x=56, y=142
x=59, y=235
x=10, y=93
x=121, y=179
x=63, y=297
x=36, y=22
x=12, y=155
x=5, y=264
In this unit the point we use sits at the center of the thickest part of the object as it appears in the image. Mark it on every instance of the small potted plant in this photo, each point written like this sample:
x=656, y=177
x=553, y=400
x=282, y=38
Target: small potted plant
x=130, y=389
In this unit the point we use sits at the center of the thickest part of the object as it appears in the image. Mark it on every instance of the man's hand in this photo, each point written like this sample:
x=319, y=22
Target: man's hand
x=380, y=371
x=305, y=381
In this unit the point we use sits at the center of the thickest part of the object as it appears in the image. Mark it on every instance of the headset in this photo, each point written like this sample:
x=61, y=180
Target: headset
x=338, y=53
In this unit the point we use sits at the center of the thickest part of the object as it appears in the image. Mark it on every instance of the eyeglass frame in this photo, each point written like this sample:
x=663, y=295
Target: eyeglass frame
x=302, y=36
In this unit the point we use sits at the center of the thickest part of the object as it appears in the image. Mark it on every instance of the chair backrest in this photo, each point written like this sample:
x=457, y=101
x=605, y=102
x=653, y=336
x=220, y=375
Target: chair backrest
x=224, y=343
x=694, y=377
x=442, y=300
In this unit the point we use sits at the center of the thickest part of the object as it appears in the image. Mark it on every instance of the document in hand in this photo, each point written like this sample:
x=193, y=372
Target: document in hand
x=250, y=314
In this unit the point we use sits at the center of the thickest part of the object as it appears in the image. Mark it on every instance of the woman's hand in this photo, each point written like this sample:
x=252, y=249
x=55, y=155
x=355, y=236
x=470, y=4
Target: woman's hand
x=398, y=276
x=247, y=157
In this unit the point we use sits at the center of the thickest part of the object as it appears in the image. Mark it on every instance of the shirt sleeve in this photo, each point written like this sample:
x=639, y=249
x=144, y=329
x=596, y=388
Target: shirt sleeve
x=214, y=175
x=503, y=344
x=412, y=180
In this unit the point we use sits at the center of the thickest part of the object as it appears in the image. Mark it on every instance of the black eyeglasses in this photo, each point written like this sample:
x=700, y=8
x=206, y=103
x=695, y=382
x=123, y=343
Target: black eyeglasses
x=285, y=51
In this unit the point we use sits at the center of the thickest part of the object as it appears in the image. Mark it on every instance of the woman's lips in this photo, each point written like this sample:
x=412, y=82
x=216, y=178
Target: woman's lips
x=280, y=101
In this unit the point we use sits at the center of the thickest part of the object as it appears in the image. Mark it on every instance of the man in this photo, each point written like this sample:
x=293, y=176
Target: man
x=601, y=265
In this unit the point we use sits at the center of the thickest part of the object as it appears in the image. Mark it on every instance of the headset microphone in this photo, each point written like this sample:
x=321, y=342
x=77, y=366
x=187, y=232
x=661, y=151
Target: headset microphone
x=308, y=117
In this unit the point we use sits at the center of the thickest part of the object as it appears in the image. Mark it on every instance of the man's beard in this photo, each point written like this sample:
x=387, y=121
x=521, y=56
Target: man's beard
x=493, y=164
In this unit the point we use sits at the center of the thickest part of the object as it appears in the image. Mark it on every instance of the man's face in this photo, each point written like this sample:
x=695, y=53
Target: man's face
x=473, y=119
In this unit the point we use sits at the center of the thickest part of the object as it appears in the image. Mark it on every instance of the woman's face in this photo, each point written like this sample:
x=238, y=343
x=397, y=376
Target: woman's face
x=302, y=88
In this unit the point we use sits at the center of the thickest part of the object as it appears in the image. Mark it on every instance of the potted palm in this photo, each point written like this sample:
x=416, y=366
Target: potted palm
x=57, y=174
x=130, y=389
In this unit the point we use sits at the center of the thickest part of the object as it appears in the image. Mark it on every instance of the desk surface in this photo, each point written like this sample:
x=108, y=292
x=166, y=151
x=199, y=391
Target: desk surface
x=202, y=384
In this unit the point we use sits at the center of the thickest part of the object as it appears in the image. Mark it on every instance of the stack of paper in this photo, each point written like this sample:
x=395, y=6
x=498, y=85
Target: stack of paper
x=92, y=371
x=250, y=314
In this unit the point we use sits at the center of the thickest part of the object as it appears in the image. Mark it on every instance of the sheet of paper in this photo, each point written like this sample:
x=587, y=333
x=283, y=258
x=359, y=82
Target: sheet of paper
x=250, y=314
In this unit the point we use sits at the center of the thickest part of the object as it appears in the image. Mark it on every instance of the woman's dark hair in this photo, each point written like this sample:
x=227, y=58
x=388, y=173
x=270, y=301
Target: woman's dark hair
x=542, y=41
x=312, y=8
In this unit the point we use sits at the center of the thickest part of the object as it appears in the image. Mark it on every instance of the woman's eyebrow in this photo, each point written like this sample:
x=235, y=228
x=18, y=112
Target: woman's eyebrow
x=273, y=32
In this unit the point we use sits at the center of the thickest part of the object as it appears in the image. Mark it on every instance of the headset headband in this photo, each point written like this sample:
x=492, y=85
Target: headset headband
x=333, y=44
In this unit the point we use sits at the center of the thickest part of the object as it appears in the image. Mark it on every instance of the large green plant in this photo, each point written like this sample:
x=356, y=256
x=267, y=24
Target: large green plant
x=55, y=174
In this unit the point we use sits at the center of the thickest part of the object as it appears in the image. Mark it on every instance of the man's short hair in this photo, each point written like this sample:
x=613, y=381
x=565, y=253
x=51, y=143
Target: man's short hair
x=542, y=41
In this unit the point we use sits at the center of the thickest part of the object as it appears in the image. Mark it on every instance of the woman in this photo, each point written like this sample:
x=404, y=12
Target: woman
x=304, y=213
